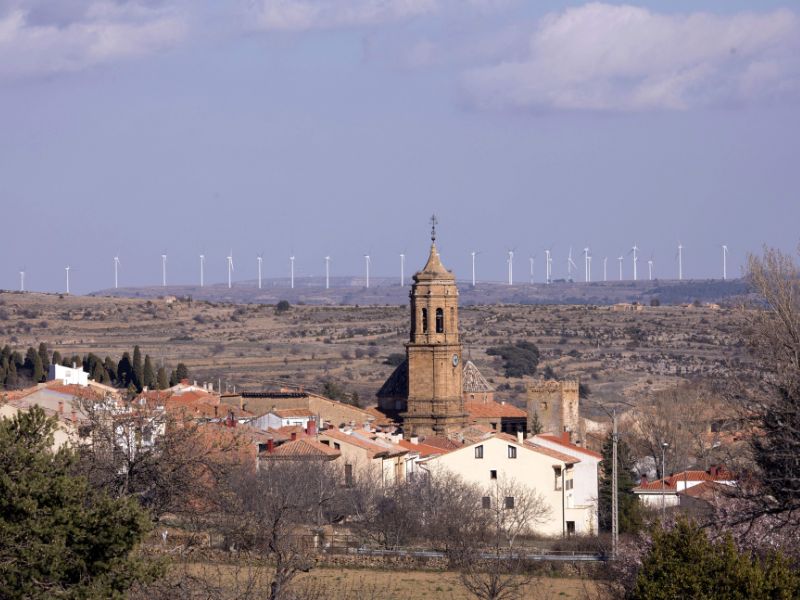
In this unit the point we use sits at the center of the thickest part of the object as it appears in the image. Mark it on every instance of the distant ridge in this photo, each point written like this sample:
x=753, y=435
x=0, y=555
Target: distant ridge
x=351, y=291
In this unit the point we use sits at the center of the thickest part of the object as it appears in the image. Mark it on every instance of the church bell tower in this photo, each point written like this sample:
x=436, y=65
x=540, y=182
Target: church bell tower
x=435, y=403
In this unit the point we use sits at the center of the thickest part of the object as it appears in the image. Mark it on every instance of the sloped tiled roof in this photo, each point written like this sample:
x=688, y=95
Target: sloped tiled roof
x=440, y=441
x=373, y=449
x=434, y=269
x=474, y=382
x=288, y=413
x=421, y=448
x=396, y=386
x=494, y=410
x=557, y=440
x=303, y=448
x=671, y=483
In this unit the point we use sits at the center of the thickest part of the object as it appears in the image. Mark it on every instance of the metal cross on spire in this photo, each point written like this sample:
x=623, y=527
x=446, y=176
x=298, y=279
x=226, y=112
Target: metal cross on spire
x=434, y=221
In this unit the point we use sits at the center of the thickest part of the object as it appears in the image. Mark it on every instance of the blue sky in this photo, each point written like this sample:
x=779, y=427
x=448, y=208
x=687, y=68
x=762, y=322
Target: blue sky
x=319, y=127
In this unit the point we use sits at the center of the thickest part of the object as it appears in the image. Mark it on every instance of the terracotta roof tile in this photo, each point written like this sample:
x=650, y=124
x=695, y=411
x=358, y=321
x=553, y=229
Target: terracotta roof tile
x=557, y=440
x=288, y=413
x=494, y=410
x=373, y=449
x=424, y=450
x=302, y=448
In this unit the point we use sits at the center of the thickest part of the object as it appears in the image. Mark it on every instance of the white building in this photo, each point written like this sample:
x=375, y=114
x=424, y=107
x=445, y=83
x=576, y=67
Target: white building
x=68, y=375
x=551, y=473
x=585, y=490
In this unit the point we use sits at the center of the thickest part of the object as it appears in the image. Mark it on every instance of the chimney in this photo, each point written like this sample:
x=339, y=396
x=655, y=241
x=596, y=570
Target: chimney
x=311, y=427
x=270, y=445
x=366, y=425
x=565, y=437
x=414, y=439
x=74, y=366
x=294, y=435
x=644, y=480
x=520, y=436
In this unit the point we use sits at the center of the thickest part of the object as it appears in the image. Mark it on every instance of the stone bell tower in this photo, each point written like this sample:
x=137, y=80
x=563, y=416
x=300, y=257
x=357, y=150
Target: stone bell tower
x=435, y=401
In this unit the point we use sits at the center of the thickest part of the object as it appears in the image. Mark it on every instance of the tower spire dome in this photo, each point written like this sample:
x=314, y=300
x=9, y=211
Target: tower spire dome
x=434, y=222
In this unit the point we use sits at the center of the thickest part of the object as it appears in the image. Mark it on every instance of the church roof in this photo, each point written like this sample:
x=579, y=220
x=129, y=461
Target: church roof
x=434, y=269
x=397, y=384
x=474, y=382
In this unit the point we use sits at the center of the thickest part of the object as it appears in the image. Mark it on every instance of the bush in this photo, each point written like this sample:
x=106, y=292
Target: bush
x=519, y=359
x=395, y=359
x=684, y=563
x=282, y=306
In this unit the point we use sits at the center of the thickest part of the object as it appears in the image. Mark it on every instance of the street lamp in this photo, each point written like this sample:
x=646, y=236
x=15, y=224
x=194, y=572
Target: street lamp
x=664, y=446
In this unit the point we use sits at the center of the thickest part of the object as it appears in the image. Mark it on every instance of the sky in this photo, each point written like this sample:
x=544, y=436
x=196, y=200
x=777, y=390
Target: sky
x=138, y=128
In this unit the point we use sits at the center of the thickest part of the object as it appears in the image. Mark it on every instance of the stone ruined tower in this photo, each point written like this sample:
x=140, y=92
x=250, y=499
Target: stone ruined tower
x=435, y=403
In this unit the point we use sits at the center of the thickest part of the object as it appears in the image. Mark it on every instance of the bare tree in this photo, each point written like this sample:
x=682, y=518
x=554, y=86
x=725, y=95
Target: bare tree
x=497, y=568
x=277, y=509
x=770, y=500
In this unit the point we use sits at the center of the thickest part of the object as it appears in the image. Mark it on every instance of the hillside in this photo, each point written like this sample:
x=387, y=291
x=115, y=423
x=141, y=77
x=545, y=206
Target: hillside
x=619, y=354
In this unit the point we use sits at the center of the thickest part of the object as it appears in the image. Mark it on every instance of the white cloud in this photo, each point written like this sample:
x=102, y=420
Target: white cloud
x=98, y=33
x=302, y=15
x=622, y=58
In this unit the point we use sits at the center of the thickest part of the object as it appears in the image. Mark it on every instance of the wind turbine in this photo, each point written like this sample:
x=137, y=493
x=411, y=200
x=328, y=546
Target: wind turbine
x=291, y=265
x=510, y=267
x=548, y=259
x=22, y=281
x=724, y=262
x=367, y=261
x=633, y=251
x=620, y=259
x=680, y=261
x=605, y=268
x=230, y=268
x=163, y=270
x=532, y=259
x=402, y=269
x=473, y=253
x=570, y=265
x=327, y=272
x=67, y=270
x=587, y=276
x=590, y=267
x=116, y=272
x=650, y=269
x=202, y=267
x=260, y=261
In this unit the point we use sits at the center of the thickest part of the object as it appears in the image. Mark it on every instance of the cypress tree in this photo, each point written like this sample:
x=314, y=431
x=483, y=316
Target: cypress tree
x=124, y=371
x=30, y=357
x=12, y=381
x=163, y=382
x=149, y=374
x=45, y=356
x=56, y=358
x=181, y=372
x=38, y=373
x=630, y=511
x=138, y=369
x=111, y=369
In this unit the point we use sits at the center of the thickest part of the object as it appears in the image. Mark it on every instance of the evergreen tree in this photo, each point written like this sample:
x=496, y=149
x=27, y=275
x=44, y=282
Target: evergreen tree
x=38, y=372
x=56, y=358
x=44, y=354
x=630, y=510
x=111, y=369
x=149, y=376
x=162, y=380
x=536, y=424
x=181, y=372
x=138, y=369
x=30, y=357
x=684, y=563
x=124, y=371
x=12, y=381
x=59, y=537
x=3, y=366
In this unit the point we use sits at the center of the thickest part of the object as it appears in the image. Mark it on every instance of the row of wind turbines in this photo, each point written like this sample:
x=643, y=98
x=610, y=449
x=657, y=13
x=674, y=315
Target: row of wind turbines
x=571, y=266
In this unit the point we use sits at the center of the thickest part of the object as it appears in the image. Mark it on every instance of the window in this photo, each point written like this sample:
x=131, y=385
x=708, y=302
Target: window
x=439, y=320
x=557, y=471
x=493, y=426
x=568, y=484
x=337, y=445
x=478, y=451
x=326, y=442
x=486, y=502
x=493, y=474
x=509, y=502
x=512, y=451
x=348, y=475
x=570, y=527
x=424, y=320
x=452, y=316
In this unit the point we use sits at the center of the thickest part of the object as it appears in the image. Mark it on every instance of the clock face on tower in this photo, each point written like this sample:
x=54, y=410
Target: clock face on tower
x=455, y=360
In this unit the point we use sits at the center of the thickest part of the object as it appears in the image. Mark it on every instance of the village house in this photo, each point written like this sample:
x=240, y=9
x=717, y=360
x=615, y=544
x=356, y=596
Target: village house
x=362, y=456
x=667, y=491
x=501, y=458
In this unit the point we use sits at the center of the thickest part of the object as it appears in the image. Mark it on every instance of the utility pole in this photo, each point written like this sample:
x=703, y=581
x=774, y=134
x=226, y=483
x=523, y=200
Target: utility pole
x=614, y=489
x=664, y=446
